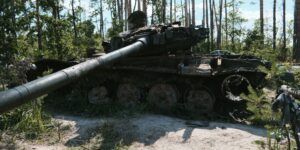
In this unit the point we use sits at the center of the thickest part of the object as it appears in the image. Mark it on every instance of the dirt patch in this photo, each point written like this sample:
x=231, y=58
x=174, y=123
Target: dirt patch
x=150, y=132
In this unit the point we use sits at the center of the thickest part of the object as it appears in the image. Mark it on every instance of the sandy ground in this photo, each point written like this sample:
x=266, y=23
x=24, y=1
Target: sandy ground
x=150, y=132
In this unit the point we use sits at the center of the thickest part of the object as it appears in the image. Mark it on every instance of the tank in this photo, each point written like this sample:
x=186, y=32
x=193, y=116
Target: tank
x=154, y=64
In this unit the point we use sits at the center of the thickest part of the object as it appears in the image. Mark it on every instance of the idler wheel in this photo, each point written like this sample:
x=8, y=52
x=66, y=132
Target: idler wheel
x=199, y=100
x=128, y=95
x=234, y=85
x=99, y=95
x=162, y=96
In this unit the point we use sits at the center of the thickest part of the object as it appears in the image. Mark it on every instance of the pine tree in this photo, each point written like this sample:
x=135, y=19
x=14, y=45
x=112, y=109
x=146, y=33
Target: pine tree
x=219, y=36
x=211, y=25
x=274, y=25
x=193, y=13
x=38, y=24
x=297, y=31
x=171, y=11
x=261, y=2
x=284, y=27
x=74, y=21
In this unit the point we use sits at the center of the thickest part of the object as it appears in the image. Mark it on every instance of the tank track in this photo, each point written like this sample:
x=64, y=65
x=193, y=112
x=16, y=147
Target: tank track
x=163, y=91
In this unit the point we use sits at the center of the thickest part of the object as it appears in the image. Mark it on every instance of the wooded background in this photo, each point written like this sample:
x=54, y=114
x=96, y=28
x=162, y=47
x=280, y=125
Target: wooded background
x=34, y=29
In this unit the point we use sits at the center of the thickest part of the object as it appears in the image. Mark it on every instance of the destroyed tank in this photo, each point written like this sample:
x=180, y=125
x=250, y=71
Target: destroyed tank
x=168, y=73
x=153, y=64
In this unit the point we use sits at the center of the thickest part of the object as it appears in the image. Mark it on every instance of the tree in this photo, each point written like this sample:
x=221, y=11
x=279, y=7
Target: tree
x=126, y=13
x=120, y=11
x=129, y=7
x=8, y=39
x=206, y=8
x=233, y=16
x=203, y=13
x=235, y=21
x=171, y=11
x=261, y=2
x=186, y=13
x=139, y=5
x=297, y=31
x=145, y=6
x=226, y=22
x=101, y=18
x=74, y=21
x=98, y=12
x=175, y=10
x=219, y=26
x=274, y=25
x=38, y=24
x=284, y=26
x=193, y=13
x=211, y=25
x=163, y=5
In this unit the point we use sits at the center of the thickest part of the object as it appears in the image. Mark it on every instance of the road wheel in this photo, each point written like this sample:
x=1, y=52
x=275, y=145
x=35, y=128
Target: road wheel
x=233, y=86
x=128, y=95
x=99, y=95
x=162, y=96
x=199, y=100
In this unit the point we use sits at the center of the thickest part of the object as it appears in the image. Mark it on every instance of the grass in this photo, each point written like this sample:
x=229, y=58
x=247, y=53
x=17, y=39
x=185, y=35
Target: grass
x=32, y=122
x=28, y=121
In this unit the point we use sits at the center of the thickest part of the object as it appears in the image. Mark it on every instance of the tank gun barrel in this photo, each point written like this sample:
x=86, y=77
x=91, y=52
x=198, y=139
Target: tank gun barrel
x=14, y=97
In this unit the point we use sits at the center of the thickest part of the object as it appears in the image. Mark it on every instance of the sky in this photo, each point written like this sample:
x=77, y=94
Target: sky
x=249, y=10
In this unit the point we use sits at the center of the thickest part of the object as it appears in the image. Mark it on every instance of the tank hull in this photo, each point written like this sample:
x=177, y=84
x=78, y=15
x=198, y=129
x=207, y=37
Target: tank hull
x=194, y=82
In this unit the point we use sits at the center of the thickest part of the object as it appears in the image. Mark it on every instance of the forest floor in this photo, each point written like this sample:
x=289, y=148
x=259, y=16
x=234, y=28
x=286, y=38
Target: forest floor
x=145, y=131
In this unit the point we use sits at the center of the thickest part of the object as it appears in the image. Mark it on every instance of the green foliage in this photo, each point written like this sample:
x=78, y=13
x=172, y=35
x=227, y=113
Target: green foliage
x=259, y=105
x=29, y=119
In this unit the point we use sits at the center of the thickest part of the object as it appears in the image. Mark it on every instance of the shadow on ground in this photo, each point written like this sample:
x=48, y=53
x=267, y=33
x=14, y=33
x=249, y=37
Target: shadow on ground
x=101, y=133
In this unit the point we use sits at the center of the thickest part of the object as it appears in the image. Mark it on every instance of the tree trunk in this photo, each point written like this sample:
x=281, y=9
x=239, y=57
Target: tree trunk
x=13, y=19
x=284, y=26
x=101, y=19
x=215, y=14
x=134, y=6
x=145, y=7
x=193, y=13
x=129, y=7
x=186, y=13
x=38, y=24
x=219, y=37
x=189, y=12
x=203, y=13
x=182, y=12
x=119, y=11
x=233, y=27
x=206, y=8
x=74, y=21
x=59, y=33
x=55, y=30
x=211, y=25
x=171, y=11
x=262, y=21
x=126, y=14
x=175, y=11
x=274, y=25
x=122, y=12
x=152, y=14
x=297, y=31
x=226, y=22
x=139, y=5
x=163, y=9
